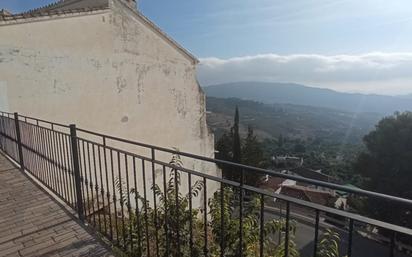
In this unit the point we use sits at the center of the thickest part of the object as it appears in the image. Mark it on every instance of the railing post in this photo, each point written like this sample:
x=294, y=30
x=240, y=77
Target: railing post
x=18, y=139
x=76, y=170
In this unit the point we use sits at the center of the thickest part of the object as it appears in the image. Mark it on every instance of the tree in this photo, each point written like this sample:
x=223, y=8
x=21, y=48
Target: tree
x=387, y=167
x=224, y=147
x=299, y=148
x=229, y=149
x=237, y=155
x=281, y=141
x=253, y=156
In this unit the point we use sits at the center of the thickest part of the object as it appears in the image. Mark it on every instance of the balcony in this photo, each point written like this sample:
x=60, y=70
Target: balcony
x=143, y=200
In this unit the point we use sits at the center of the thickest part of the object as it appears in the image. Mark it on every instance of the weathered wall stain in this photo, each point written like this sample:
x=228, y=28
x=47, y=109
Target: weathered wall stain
x=121, y=84
x=124, y=119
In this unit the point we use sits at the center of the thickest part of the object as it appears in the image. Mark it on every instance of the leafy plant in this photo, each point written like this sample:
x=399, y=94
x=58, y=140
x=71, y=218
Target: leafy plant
x=329, y=244
x=224, y=212
x=175, y=228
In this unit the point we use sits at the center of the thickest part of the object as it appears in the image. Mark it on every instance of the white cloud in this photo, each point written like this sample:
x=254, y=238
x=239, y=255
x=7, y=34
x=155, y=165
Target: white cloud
x=385, y=73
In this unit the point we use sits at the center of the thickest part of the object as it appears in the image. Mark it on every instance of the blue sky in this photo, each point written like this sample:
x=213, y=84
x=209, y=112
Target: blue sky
x=243, y=29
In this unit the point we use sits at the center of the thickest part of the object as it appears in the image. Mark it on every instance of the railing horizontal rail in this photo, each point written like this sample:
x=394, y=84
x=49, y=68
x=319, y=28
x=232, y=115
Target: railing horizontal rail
x=261, y=171
x=27, y=118
x=285, y=198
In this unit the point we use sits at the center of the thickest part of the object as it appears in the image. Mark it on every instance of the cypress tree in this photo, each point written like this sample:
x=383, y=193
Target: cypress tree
x=237, y=155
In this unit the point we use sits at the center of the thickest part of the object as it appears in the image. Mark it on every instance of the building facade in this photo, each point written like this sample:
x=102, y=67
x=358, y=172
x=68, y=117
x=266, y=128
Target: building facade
x=102, y=65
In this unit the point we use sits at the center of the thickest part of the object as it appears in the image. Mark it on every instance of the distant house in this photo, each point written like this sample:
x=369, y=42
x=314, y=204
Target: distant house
x=293, y=189
x=308, y=194
x=287, y=161
x=275, y=183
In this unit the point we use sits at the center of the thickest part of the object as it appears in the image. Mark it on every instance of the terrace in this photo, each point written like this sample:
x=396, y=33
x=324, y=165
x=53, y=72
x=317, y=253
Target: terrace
x=71, y=192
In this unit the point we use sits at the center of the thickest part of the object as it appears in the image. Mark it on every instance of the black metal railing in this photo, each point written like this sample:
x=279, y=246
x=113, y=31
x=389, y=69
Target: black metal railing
x=145, y=201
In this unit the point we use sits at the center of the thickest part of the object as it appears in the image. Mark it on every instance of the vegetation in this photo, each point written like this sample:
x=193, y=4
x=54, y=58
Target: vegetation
x=329, y=244
x=246, y=151
x=327, y=140
x=170, y=225
x=386, y=165
x=299, y=122
x=175, y=228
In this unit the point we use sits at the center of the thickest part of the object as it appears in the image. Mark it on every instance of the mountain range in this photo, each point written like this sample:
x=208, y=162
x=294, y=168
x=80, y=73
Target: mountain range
x=292, y=121
x=289, y=93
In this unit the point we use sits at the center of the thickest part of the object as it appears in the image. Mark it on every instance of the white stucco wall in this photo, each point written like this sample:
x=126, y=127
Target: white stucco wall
x=108, y=72
x=4, y=103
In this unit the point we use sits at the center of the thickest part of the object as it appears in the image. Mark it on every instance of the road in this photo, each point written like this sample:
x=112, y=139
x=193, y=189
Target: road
x=305, y=232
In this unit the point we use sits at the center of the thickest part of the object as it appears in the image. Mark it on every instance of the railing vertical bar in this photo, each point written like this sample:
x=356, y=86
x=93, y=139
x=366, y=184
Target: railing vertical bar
x=102, y=189
x=126, y=163
x=56, y=162
x=166, y=225
x=241, y=195
x=350, y=238
x=222, y=216
x=205, y=249
x=1, y=131
x=177, y=214
x=107, y=188
x=121, y=196
x=76, y=169
x=42, y=134
x=18, y=138
x=91, y=183
x=392, y=245
x=316, y=239
x=83, y=176
x=70, y=173
x=32, y=155
x=89, y=162
x=31, y=158
x=61, y=168
x=53, y=158
x=44, y=176
x=66, y=169
x=96, y=187
x=262, y=223
x=139, y=235
x=86, y=183
x=287, y=229
x=145, y=208
x=114, y=198
x=47, y=135
x=189, y=181
x=41, y=147
x=153, y=157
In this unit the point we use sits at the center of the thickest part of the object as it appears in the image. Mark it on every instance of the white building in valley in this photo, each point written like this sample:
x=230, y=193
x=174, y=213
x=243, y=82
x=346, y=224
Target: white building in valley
x=105, y=67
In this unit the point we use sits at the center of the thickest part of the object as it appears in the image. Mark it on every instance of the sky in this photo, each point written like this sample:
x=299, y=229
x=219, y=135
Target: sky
x=346, y=45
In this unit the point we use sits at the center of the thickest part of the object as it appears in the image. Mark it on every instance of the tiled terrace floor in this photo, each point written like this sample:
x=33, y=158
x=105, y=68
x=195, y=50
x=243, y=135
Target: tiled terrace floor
x=34, y=224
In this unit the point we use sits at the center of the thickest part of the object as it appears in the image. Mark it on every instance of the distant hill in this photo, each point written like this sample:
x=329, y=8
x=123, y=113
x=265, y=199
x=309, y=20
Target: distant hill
x=406, y=96
x=292, y=121
x=302, y=95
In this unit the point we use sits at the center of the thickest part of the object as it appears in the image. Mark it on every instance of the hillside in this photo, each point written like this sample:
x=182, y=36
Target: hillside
x=302, y=95
x=292, y=121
